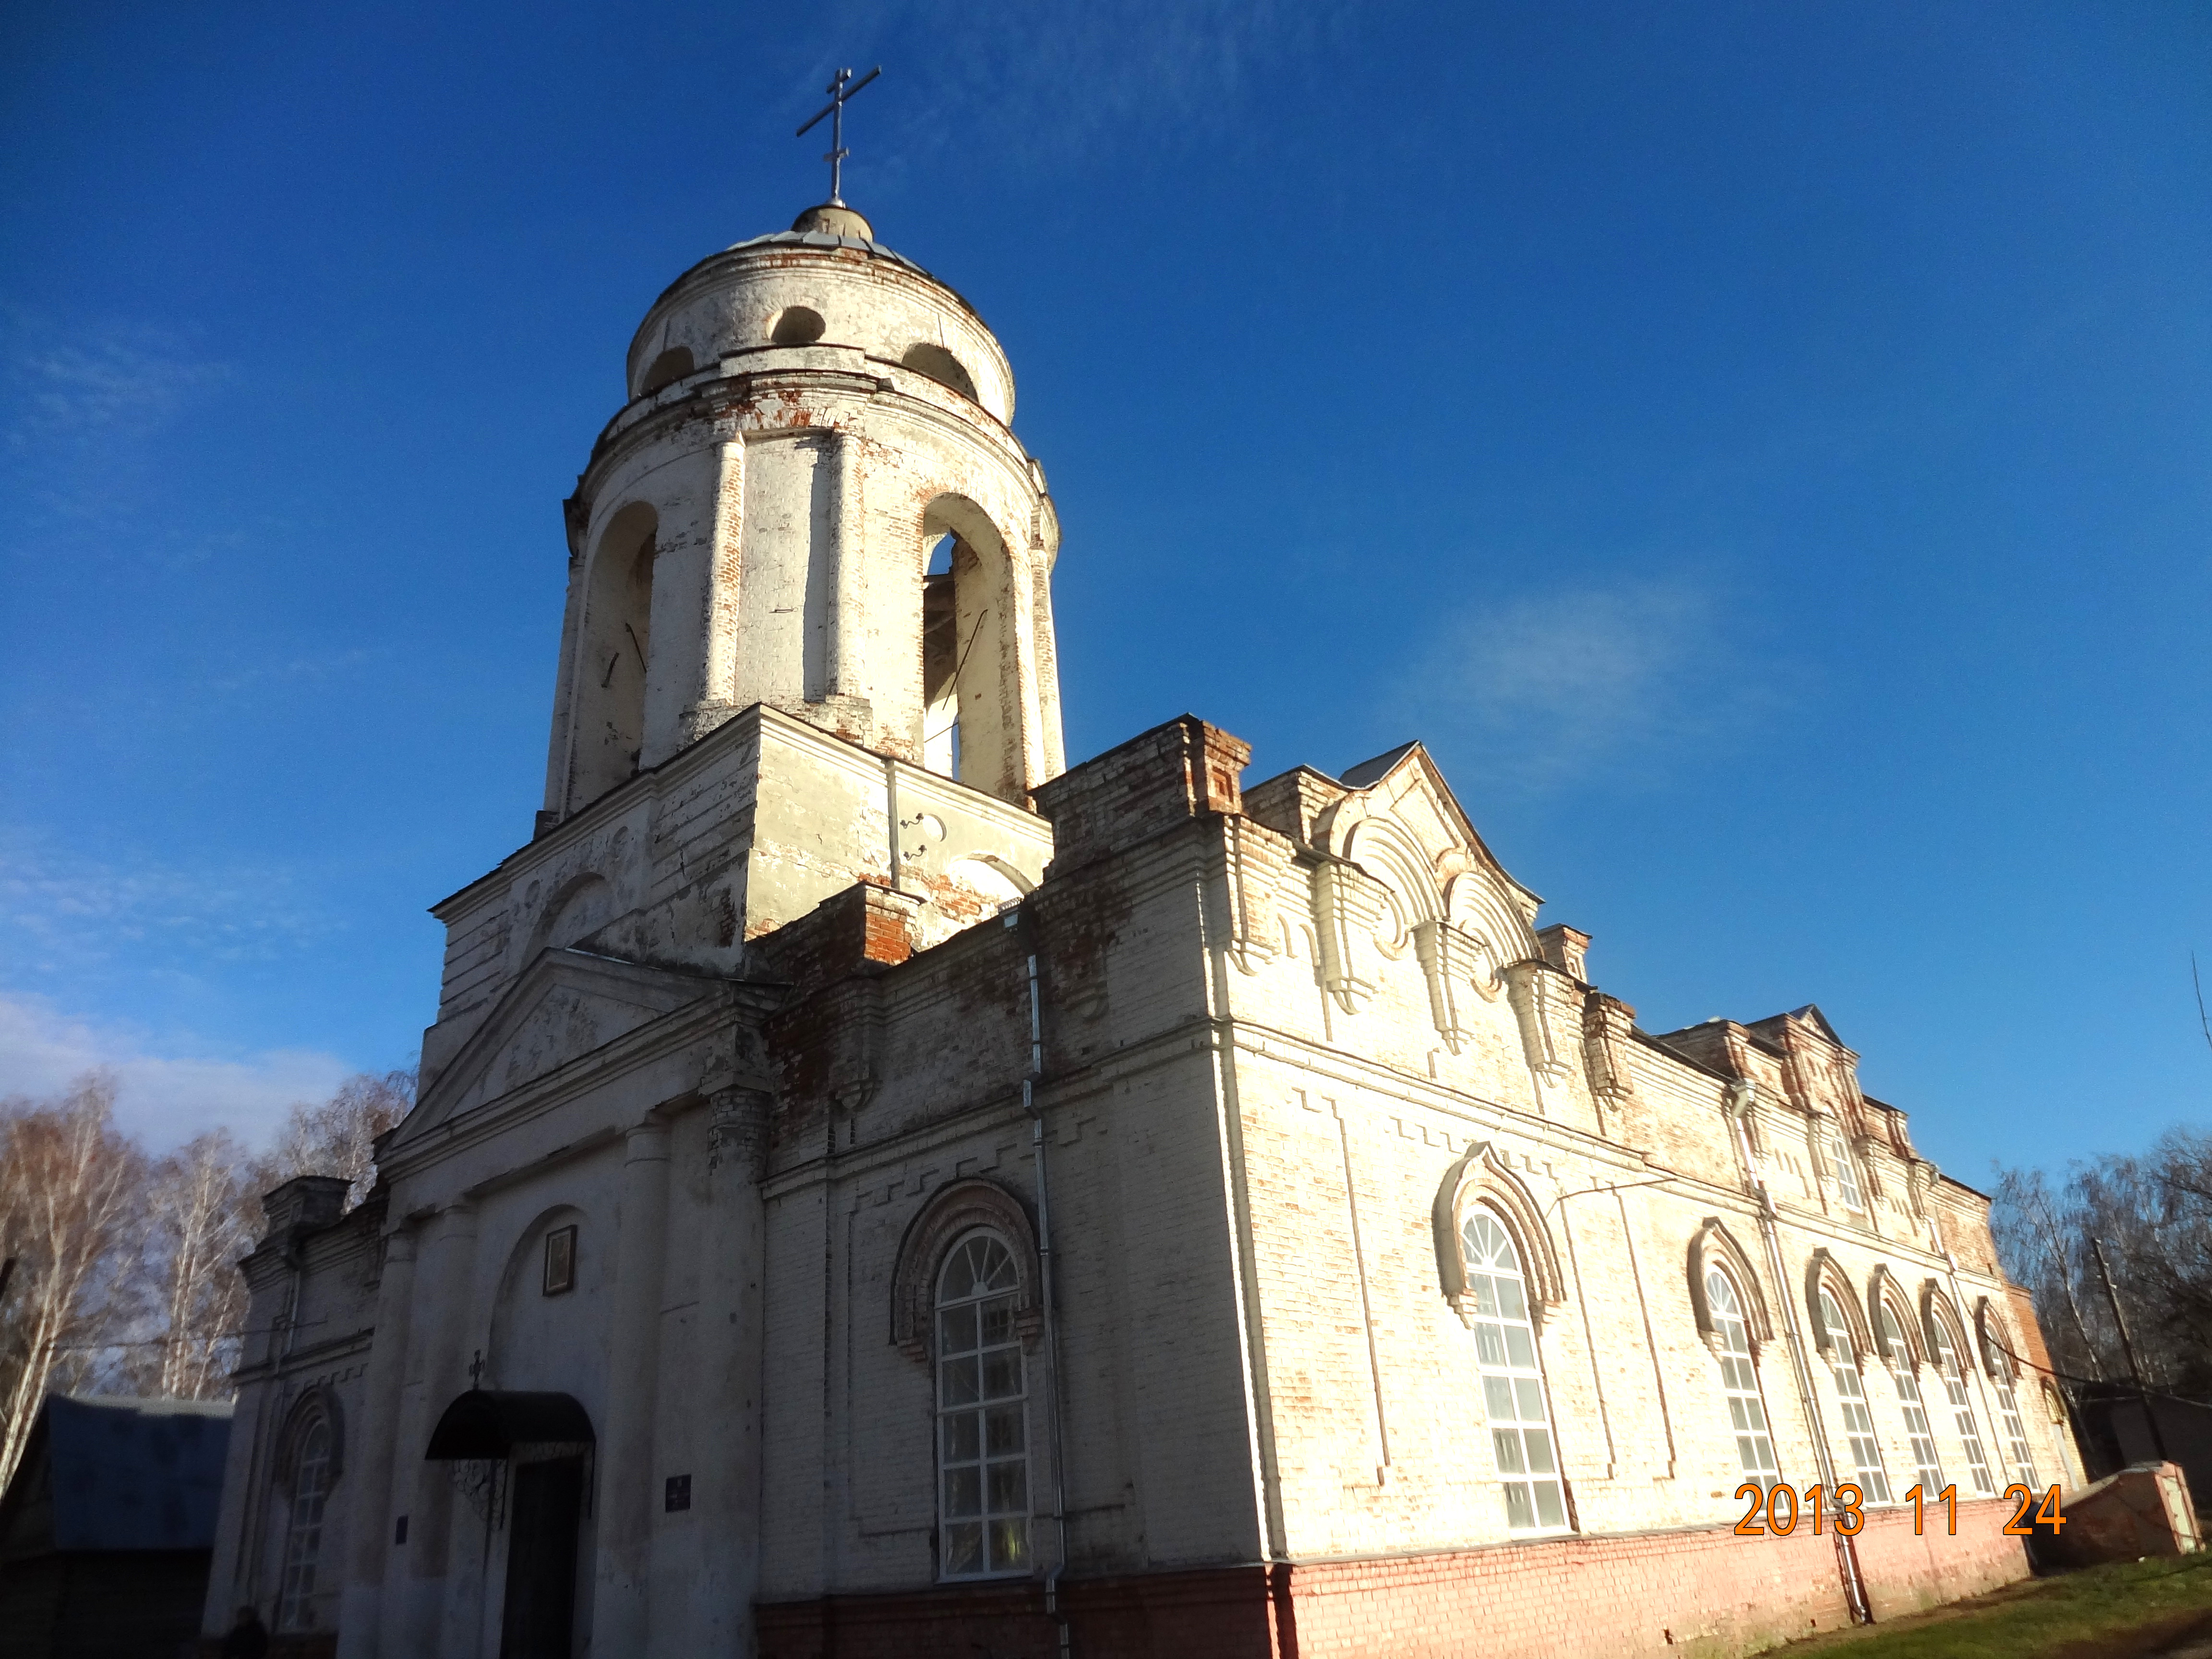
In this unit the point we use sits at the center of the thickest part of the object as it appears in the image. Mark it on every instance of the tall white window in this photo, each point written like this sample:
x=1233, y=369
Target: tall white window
x=1926, y=1470
x=303, y=1532
x=1847, y=1173
x=1512, y=1381
x=2015, y=1432
x=1754, y=1445
x=982, y=1414
x=1858, y=1421
x=1962, y=1409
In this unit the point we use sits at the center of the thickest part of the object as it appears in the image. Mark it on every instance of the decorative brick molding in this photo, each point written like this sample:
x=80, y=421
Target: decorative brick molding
x=1938, y=1313
x=1713, y=1246
x=317, y=1404
x=1882, y=1285
x=1822, y=1272
x=1482, y=1177
x=1993, y=1336
x=952, y=1212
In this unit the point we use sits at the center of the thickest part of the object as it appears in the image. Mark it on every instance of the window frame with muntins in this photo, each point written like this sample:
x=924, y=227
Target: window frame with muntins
x=1740, y=1384
x=1872, y=1475
x=1523, y=1443
x=980, y=1376
x=1889, y=1335
x=1846, y=1172
x=308, y=1499
x=2016, y=1431
x=1954, y=1374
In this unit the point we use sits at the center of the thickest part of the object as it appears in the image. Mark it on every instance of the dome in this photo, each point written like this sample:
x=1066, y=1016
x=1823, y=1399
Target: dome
x=835, y=219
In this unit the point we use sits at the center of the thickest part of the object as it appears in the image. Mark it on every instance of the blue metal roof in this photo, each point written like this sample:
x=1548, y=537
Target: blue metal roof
x=135, y=1475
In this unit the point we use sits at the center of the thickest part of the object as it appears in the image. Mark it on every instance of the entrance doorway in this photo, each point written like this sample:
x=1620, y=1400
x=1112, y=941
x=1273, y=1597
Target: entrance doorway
x=547, y=1505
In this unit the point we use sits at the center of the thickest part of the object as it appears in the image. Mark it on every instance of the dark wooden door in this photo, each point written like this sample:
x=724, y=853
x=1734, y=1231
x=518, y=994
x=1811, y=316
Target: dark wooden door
x=541, y=1559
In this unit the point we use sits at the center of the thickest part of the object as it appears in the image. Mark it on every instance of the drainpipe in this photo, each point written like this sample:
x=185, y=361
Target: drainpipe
x=1740, y=1096
x=1018, y=919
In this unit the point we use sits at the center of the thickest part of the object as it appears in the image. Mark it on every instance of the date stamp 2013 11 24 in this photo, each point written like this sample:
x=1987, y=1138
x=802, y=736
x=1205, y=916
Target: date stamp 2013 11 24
x=1767, y=1513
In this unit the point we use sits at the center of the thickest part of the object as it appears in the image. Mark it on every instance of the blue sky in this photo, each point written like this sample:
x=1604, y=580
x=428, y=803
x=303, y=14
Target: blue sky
x=1762, y=449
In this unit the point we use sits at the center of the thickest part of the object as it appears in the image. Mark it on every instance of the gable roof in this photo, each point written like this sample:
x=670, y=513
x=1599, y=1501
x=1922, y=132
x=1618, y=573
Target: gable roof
x=118, y=1473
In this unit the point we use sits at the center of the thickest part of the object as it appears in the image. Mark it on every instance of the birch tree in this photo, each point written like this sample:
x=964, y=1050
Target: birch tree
x=70, y=1188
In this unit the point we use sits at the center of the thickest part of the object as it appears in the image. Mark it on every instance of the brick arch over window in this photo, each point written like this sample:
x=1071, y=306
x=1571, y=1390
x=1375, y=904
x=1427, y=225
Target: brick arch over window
x=1994, y=1340
x=1713, y=1246
x=320, y=1404
x=951, y=1214
x=1821, y=1274
x=1481, y=1177
x=1882, y=1286
x=1940, y=1319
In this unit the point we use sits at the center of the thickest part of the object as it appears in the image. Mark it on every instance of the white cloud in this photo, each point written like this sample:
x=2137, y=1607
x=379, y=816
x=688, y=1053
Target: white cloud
x=1612, y=679
x=92, y=383
x=61, y=910
x=165, y=1098
x=83, y=404
x=1042, y=83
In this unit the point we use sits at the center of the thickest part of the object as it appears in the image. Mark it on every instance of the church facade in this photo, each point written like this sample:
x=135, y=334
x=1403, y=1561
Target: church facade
x=877, y=1189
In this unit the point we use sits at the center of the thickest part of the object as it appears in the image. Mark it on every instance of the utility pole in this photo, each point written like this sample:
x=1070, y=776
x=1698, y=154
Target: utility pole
x=2128, y=1349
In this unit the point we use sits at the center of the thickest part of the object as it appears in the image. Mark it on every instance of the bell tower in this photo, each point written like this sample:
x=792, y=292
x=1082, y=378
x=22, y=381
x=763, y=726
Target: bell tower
x=814, y=424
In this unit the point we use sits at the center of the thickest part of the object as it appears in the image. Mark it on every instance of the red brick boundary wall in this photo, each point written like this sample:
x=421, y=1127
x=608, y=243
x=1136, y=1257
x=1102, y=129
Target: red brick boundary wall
x=1704, y=1592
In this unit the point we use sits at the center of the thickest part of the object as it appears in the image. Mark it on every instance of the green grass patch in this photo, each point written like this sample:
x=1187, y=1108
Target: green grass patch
x=2123, y=1611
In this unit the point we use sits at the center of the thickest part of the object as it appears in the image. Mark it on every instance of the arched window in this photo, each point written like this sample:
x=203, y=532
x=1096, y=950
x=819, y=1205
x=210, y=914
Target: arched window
x=982, y=1414
x=1521, y=1438
x=1889, y=1331
x=1754, y=1444
x=670, y=367
x=614, y=652
x=1962, y=1405
x=1858, y=1421
x=1997, y=1359
x=971, y=718
x=2015, y=1432
x=303, y=1532
x=941, y=366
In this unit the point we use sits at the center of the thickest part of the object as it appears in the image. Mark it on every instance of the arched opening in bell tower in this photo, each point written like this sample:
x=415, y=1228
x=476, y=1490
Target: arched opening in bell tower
x=612, y=661
x=971, y=725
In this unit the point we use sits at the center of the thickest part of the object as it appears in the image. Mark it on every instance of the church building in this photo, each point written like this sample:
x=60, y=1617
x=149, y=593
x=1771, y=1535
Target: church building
x=879, y=1190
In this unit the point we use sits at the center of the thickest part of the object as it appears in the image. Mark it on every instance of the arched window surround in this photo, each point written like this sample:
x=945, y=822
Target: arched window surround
x=1994, y=1337
x=1483, y=1177
x=1713, y=1246
x=1937, y=1313
x=320, y=1404
x=1882, y=1288
x=953, y=1211
x=1822, y=1272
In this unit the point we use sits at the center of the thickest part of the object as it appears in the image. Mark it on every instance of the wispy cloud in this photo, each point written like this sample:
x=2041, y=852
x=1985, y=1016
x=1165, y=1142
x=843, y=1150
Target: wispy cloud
x=166, y=1090
x=1612, y=680
x=63, y=911
x=81, y=408
x=1041, y=83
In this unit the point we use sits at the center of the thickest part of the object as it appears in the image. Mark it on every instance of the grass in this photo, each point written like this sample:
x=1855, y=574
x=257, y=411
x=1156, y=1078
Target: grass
x=2127, y=1610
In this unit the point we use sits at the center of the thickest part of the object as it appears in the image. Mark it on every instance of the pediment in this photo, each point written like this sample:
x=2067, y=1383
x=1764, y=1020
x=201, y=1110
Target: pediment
x=1402, y=826
x=566, y=1004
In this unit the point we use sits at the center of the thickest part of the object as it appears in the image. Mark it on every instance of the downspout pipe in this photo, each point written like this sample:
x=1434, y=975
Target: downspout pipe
x=1742, y=1097
x=1024, y=927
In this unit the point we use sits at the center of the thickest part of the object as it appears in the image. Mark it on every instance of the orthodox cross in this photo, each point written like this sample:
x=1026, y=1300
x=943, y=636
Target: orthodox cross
x=839, y=90
x=475, y=1370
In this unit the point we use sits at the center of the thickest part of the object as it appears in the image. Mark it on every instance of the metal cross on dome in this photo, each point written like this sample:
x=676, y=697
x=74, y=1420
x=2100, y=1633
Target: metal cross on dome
x=839, y=90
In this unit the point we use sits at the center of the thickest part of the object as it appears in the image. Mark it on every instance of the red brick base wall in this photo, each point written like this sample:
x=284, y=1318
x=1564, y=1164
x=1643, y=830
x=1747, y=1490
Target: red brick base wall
x=1706, y=1592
